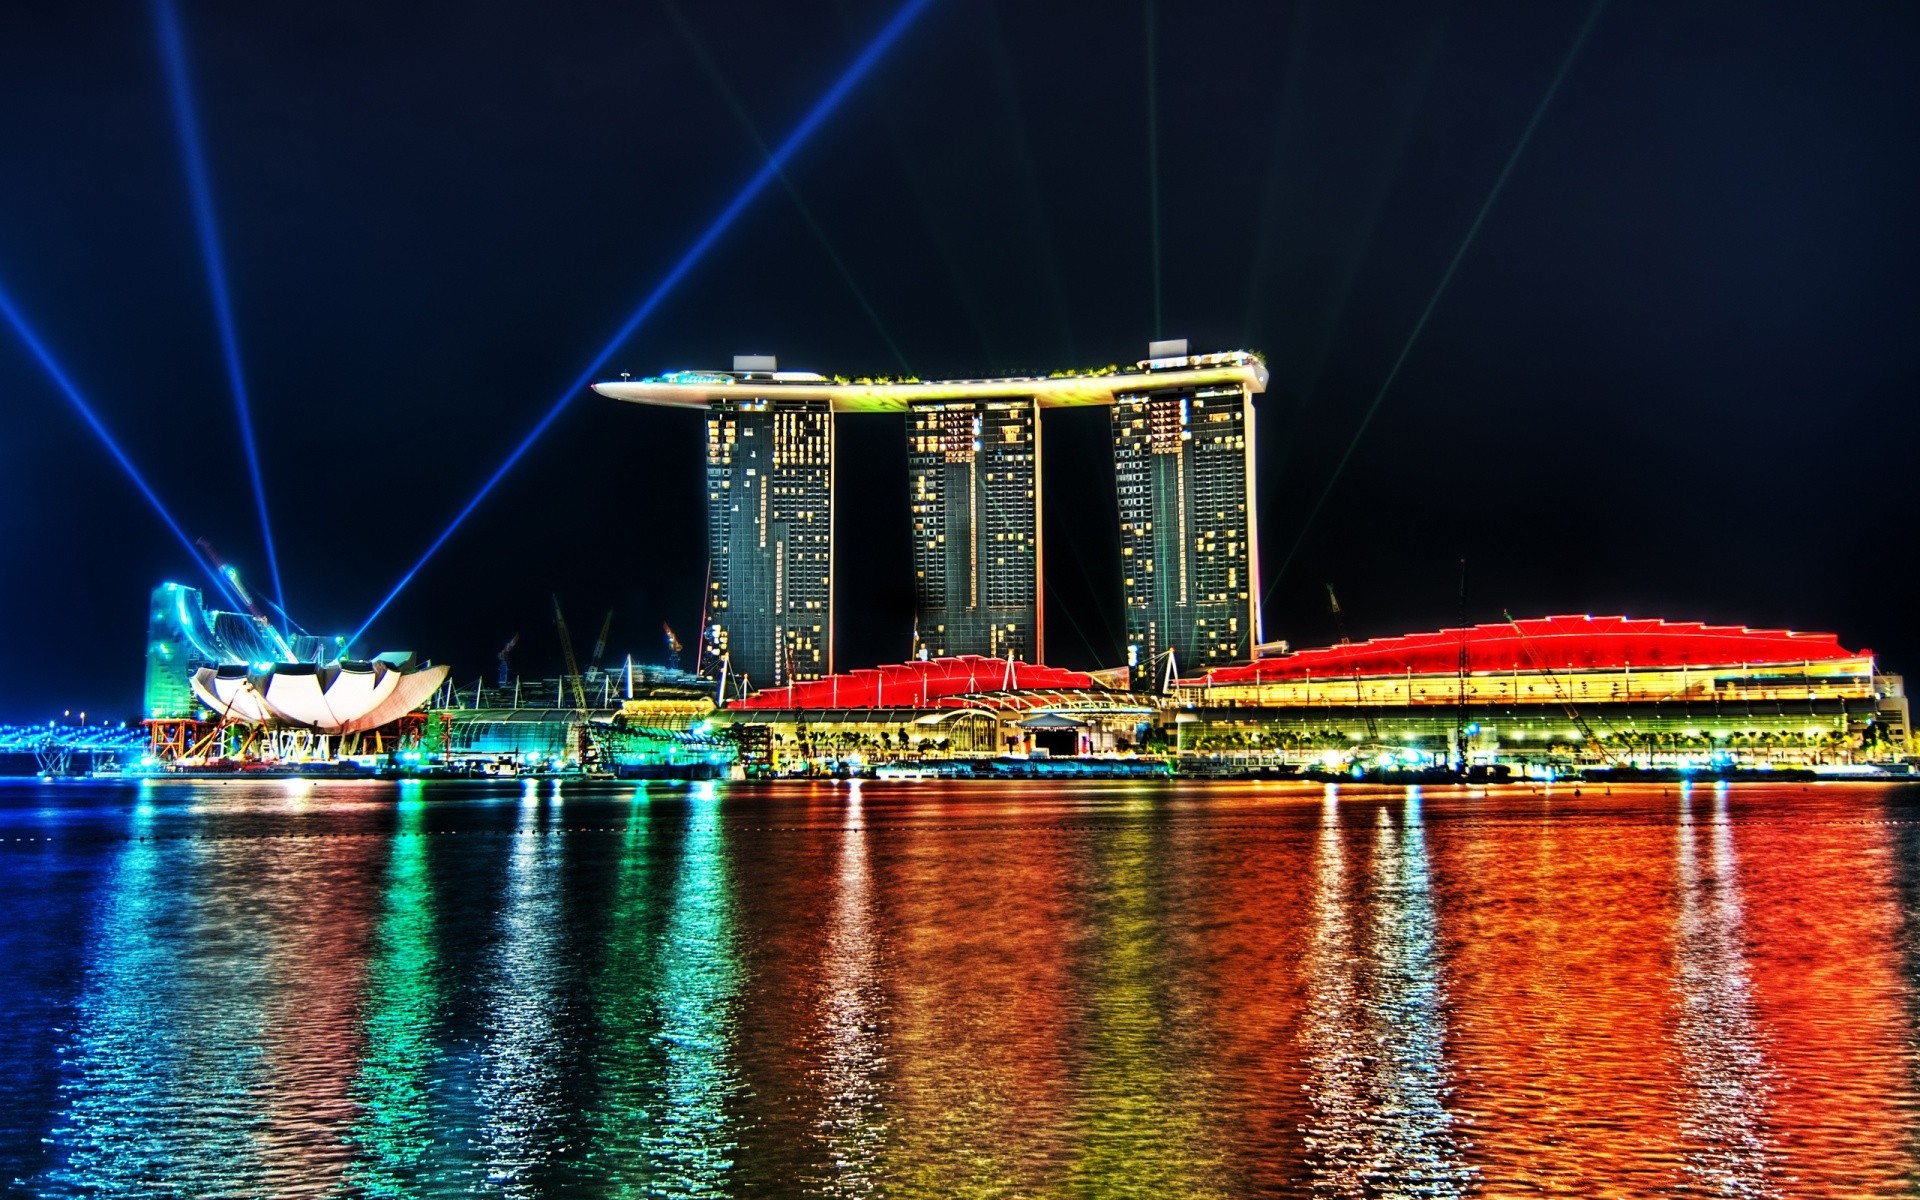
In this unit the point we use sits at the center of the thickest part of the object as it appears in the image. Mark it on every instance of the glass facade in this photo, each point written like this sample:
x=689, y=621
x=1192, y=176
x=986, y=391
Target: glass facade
x=973, y=471
x=172, y=656
x=1183, y=470
x=770, y=537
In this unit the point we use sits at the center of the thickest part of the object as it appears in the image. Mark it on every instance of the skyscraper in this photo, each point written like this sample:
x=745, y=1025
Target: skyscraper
x=1189, y=564
x=973, y=469
x=1183, y=454
x=770, y=536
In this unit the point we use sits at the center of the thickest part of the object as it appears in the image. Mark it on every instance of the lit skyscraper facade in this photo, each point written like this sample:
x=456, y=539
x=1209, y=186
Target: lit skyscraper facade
x=1183, y=457
x=770, y=536
x=1183, y=468
x=973, y=474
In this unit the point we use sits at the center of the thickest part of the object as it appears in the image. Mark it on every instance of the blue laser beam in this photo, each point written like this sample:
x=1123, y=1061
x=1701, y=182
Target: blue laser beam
x=66, y=385
x=769, y=171
x=193, y=157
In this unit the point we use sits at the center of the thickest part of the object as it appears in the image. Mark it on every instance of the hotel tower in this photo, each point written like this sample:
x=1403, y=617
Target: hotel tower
x=1183, y=469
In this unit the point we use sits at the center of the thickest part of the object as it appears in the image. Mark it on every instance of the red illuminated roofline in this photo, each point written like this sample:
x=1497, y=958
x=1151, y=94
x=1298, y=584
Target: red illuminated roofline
x=1548, y=643
x=916, y=684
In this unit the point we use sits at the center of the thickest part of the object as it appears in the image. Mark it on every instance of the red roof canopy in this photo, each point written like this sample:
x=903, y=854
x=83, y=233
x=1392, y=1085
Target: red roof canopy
x=1546, y=644
x=915, y=684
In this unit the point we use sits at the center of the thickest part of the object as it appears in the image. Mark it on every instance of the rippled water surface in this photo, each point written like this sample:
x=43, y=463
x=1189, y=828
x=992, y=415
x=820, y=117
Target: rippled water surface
x=277, y=988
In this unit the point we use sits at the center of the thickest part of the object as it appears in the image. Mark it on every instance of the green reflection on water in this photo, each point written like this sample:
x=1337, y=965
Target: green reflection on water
x=167, y=1077
x=394, y=1132
x=627, y=1057
x=112, y=1133
x=1141, y=1125
x=522, y=1086
x=699, y=988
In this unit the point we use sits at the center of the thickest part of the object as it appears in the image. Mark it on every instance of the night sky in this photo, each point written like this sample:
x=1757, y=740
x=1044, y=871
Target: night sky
x=1673, y=376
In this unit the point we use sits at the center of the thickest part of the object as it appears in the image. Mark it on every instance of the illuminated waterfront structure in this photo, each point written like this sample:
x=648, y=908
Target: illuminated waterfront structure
x=770, y=536
x=973, y=470
x=1190, y=568
x=1596, y=690
x=974, y=473
x=184, y=635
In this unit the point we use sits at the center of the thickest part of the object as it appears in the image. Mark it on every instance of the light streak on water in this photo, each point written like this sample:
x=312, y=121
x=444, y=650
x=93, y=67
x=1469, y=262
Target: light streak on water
x=1376, y=1025
x=166, y=1070
x=398, y=1153
x=1141, y=1114
x=852, y=1121
x=693, y=1142
x=627, y=1056
x=1422, y=1150
x=173, y=54
x=768, y=172
x=1724, y=1105
x=1335, y=1057
x=522, y=1080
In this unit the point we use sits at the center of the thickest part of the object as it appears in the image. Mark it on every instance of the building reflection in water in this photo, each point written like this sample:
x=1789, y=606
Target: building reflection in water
x=1376, y=1027
x=213, y=1040
x=691, y=1143
x=627, y=1056
x=127, y=1051
x=1143, y=1109
x=399, y=1131
x=982, y=1001
x=1723, y=1064
x=522, y=1077
x=851, y=1123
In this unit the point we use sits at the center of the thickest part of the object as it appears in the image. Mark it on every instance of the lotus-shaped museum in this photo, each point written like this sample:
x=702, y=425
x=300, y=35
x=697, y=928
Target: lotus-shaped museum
x=334, y=698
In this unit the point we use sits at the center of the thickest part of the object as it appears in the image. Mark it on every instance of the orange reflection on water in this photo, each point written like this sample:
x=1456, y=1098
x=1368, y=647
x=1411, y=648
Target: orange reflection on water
x=1249, y=922
x=316, y=901
x=980, y=982
x=1558, y=933
x=1822, y=926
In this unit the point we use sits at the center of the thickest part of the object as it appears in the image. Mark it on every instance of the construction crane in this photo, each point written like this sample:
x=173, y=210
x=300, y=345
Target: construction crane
x=573, y=665
x=673, y=647
x=600, y=646
x=505, y=652
x=1460, y=694
x=1359, y=701
x=1566, y=699
x=260, y=618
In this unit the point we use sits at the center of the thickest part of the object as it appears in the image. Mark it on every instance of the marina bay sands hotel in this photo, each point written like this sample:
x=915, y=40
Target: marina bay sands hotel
x=1183, y=470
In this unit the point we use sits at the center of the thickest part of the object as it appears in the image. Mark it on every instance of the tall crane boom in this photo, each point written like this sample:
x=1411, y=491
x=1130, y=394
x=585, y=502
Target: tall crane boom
x=566, y=649
x=600, y=643
x=1566, y=699
x=505, y=653
x=1340, y=627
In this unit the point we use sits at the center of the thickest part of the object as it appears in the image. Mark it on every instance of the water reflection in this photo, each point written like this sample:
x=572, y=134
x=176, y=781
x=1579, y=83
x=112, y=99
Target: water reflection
x=627, y=1059
x=214, y=1040
x=978, y=991
x=851, y=1119
x=1142, y=1104
x=1723, y=1059
x=1376, y=1028
x=121, y=1129
x=521, y=1082
x=700, y=976
x=395, y=1132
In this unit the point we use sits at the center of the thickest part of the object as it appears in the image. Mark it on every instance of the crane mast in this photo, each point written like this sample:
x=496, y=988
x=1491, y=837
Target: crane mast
x=573, y=665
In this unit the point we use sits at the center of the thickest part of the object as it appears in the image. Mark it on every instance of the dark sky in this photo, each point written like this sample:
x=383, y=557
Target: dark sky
x=1674, y=376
